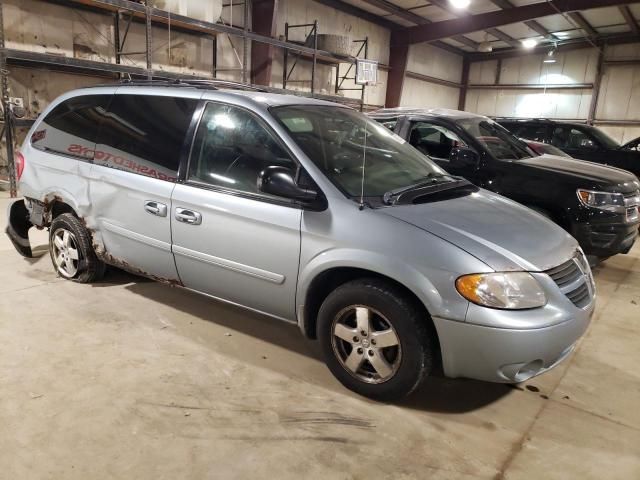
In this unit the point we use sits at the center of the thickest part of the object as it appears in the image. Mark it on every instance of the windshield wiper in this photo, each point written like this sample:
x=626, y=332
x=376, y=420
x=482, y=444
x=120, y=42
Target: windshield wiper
x=430, y=179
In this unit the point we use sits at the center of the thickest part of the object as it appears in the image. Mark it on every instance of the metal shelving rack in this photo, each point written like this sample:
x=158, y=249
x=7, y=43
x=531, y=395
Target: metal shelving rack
x=315, y=58
x=132, y=11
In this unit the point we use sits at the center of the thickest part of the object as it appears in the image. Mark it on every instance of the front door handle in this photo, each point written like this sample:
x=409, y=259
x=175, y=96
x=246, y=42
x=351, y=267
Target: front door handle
x=155, y=208
x=188, y=216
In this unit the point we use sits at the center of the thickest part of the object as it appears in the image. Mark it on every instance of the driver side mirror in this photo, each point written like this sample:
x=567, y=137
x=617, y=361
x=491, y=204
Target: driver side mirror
x=279, y=181
x=463, y=156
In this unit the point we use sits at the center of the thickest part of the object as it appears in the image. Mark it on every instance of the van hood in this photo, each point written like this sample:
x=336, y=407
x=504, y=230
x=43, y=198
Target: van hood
x=501, y=233
x=592, y=175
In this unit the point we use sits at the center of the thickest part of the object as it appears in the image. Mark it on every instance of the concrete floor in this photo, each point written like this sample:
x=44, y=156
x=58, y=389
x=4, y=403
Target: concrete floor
x=132, y=379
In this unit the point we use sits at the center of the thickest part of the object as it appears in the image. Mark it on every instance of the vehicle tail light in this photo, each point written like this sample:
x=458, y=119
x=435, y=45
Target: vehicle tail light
x=19, y=165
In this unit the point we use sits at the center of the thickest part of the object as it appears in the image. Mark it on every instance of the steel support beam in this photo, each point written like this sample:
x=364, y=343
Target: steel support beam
x=483, y=21
x=398, y=56
x=447, y=7
x=532, y=24
x=464, y=82
x=263, y=22
x=583, y=24
x=418, y=20
x=629, y=18
x=596, y=87
x=566, y=46
x=6, y=108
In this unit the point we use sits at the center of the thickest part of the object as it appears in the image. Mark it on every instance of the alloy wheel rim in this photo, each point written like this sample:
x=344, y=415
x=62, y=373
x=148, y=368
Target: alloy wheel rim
x=366, y=344
x=65, y=253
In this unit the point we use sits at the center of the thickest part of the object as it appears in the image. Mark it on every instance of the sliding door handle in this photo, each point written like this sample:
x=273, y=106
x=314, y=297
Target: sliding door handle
x=191, y=217
x=155, y=208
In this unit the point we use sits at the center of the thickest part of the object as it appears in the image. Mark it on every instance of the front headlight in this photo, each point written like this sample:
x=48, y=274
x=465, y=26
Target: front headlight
x=509, y=290
x=611, y=202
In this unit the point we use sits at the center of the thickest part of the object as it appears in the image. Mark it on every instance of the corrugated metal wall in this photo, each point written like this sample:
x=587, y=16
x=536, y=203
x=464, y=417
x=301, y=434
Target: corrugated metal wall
x=619, y=98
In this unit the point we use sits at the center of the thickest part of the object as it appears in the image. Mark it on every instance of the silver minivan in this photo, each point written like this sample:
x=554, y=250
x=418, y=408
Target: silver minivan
x=309, y=212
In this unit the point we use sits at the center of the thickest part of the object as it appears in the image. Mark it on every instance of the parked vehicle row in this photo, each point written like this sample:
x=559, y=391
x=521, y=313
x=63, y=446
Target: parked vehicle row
x=578, y=140
x=312, y=213
x=598, y=205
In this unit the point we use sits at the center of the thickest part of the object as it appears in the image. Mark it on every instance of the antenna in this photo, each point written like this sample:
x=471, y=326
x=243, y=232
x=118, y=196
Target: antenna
x=364, y=164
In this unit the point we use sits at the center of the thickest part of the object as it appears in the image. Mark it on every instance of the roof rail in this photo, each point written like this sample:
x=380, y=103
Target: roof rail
x=212, y=84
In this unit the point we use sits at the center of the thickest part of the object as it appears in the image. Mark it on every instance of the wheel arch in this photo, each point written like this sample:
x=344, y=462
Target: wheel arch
x=317, y=286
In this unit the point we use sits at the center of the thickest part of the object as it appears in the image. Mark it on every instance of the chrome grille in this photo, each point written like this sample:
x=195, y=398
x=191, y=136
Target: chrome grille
x=574, y=279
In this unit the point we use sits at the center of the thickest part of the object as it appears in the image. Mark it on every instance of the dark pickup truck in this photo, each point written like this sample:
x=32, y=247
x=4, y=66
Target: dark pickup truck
x=579, y=140
x=598, y=205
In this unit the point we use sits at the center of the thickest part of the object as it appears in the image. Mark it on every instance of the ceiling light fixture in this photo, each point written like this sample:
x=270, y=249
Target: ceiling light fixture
x=529, y=43
x=551, y=57
x=460, y=3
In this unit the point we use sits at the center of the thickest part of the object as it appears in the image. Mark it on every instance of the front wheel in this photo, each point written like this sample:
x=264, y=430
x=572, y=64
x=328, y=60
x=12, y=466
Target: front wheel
x=375, y=340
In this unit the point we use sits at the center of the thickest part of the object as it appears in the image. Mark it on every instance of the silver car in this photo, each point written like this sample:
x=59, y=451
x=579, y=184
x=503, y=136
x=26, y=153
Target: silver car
x=309, y=212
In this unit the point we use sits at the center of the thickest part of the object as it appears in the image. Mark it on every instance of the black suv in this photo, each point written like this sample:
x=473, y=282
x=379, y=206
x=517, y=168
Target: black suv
x=579, y=140
x=598, y=205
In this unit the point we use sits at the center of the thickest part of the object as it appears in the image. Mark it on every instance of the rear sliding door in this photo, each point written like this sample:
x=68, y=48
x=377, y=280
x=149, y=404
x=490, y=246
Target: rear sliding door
x=135, y=168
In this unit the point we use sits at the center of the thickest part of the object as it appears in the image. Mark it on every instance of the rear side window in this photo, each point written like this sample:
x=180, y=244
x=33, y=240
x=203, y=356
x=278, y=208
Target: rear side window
x=535, y=132
x=72, y=126
x=144, y=134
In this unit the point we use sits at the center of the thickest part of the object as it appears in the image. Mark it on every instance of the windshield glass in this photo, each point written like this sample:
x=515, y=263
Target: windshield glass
x=336, y=140
x=496, y=139
x=604, y=139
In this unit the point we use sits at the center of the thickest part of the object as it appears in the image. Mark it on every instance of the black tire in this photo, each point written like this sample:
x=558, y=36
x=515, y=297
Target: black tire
x=89, y=267
x=388, y=304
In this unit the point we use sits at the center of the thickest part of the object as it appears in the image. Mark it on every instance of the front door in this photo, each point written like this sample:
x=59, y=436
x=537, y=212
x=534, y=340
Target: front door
x=437, y=140
x=578, y=143
x=135, y=167
x=230, y=240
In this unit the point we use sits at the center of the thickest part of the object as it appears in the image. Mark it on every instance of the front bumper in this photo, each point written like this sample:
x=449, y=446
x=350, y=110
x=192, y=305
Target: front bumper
x=509, y=355
x=604, y=239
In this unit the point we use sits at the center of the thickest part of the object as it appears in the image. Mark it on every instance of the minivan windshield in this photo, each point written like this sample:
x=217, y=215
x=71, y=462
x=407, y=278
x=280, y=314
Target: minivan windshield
x=498, y=141
x=336, y=139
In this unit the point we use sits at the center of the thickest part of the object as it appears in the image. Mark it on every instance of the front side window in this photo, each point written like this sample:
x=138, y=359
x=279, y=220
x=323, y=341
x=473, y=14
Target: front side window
x=232, y=147
x=144, y=134
x=71, y=127
x=579, y=139
x=356, y=153
x=434, y=140
x=501, y=144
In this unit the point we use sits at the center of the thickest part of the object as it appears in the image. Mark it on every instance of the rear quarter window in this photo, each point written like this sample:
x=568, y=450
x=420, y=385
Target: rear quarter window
x=71, y=127
x=144, y=134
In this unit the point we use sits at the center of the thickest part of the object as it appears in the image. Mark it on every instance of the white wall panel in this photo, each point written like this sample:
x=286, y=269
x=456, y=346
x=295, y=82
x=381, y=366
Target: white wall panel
x=630, y=51
x=622, y=134
x=483, y=72
x=577, y=66
x=434, y=62
x=620, y=94
x=418, y=93
x=527, y=103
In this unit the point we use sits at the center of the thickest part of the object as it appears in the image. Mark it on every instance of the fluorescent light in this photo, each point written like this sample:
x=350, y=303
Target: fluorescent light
x=550, y=58
x=561, y=34
x=529, y=43
x=460, y=3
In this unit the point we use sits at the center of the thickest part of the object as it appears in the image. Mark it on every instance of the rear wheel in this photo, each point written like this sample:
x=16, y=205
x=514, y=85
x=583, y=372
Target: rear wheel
x=375, y=340
x=71, y=251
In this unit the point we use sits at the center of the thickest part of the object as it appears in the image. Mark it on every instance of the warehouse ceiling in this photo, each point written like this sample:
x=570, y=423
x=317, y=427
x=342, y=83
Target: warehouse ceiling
x=488, y=25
